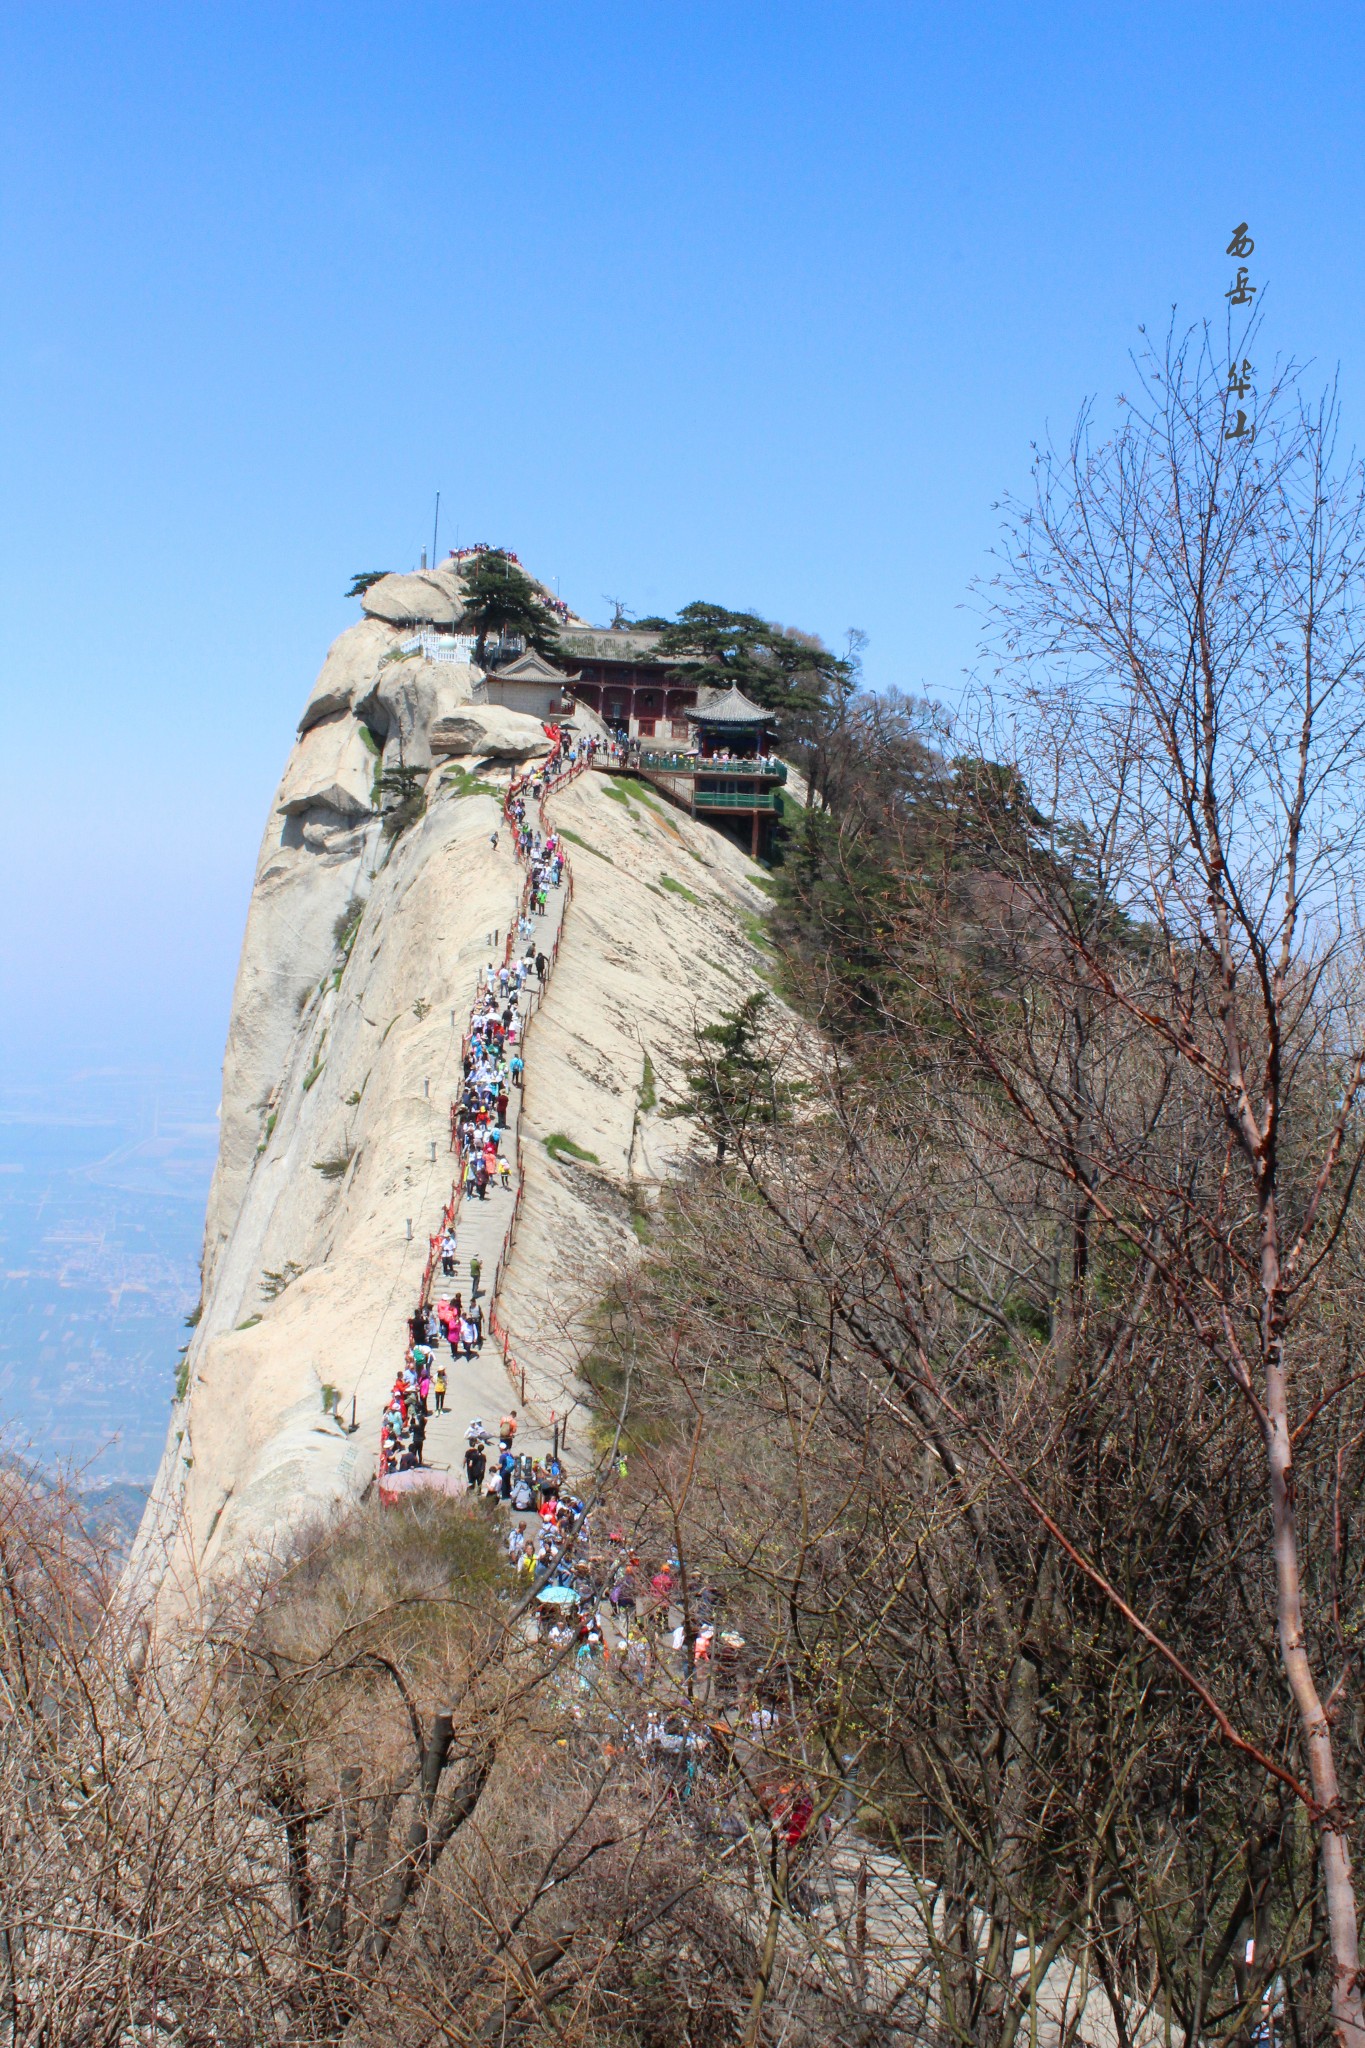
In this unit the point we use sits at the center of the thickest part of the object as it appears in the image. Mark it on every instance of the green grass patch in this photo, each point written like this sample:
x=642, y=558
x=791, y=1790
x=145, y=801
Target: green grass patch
x=576, y=839
x=182, y=1375
x=677, y=889
x=560, y=1147
x=468, y=782
x=330, y=1396
x=757, y=930
x=618, y=795
x=649, y=1093
x=312, y=1074
x=249, y=1324
x=378, y=752
x=335, y=1168
x=643, y=794
x=767, y=884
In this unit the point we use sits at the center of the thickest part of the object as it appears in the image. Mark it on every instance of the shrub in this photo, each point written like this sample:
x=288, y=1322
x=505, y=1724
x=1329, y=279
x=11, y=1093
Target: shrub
x=275, y=1283
x=406, y=799
x=348, y=924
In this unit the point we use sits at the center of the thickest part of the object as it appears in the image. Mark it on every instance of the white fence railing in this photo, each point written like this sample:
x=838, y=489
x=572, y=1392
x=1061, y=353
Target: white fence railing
x=440, y=646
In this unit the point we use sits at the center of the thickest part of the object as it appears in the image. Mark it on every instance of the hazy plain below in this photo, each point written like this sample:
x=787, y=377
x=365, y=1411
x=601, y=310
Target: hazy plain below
x=103, y=1179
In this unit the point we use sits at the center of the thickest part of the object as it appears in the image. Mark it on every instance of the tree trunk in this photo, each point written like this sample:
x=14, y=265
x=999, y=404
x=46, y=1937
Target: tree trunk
x=767, y=1955
x=343, y=1860
x=1348, y=2016
x=415, y=1857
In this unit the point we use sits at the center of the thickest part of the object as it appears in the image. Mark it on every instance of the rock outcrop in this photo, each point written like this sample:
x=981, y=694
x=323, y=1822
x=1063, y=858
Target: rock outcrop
x=429, y=598
x=342, y=1059
x=331, y=769
x=350, y=668
x=491, y=730
x=408, y=697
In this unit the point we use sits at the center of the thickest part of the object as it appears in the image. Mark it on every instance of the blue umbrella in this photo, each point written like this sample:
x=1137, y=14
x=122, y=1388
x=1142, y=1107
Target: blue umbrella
x=558, y=1596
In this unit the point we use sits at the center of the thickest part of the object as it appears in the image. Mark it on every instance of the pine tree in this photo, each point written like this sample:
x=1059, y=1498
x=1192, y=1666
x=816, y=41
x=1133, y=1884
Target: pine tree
x=732, y=1084
x=501, y=598
x=784, y=671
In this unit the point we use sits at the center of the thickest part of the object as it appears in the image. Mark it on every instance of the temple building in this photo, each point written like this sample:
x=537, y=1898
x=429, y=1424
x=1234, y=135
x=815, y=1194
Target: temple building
x=623, y=679
x=729, y=774
x=531, y=684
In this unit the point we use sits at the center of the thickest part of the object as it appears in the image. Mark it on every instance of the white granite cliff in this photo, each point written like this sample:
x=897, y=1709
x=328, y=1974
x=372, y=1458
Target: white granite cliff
x=341, y=1063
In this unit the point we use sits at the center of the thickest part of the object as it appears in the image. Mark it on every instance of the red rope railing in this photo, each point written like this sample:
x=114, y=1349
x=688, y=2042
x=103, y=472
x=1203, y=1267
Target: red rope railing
x=550, y=781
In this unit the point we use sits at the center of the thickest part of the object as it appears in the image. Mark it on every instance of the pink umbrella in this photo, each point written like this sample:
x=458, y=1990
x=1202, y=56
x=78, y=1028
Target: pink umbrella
x=418, y=1479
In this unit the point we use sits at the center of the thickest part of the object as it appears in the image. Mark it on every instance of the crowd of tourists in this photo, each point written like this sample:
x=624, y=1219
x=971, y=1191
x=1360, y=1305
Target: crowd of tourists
x=492, y=1070
x=549, y=1541
x=596, y=1605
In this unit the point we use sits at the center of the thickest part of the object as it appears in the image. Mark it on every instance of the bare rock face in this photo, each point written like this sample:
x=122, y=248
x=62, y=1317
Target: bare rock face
x=492, y=731
x=331, y=768
x=431, y=597
x=343, y=1056
x=409, y=699
x=350, y=669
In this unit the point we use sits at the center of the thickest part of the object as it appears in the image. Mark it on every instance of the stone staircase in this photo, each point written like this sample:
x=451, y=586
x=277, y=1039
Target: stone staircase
x=489, y=1384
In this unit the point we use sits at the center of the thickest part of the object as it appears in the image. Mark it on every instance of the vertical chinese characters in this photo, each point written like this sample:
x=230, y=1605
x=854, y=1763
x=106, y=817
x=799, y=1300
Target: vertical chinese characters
x=1240, y=293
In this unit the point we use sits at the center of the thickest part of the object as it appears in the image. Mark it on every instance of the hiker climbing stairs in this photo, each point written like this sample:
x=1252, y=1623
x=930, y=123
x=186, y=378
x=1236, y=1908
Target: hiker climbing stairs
x=489, y=1383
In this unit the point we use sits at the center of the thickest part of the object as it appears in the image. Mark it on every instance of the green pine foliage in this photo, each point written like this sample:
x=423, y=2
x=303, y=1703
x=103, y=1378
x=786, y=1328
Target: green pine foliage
x=787, y=672
x=405, y=799
x=501, y=598
x=732, y=1084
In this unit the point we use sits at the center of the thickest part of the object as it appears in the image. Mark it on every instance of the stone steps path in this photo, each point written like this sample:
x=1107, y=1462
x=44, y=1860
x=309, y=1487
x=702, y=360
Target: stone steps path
x=483, y=1386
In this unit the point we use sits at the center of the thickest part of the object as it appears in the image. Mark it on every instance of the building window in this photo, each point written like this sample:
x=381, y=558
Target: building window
x=646, y=728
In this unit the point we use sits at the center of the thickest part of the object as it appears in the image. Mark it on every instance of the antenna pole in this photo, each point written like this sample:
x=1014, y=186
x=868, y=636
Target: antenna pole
x=434, y=525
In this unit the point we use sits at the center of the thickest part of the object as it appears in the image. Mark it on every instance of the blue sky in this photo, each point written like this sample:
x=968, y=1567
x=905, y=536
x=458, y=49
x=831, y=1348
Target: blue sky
x=757, y=303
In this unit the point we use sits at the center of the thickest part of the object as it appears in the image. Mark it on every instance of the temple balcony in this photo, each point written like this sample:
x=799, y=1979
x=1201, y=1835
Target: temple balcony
x=736, y=800
x=759, y=768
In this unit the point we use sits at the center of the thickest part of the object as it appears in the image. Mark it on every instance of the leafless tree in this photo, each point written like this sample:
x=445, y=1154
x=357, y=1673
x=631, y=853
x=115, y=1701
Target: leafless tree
x=1179, y=618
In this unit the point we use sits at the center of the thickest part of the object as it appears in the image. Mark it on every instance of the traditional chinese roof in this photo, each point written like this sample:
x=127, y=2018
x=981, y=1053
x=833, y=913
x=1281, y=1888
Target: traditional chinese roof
x=728, y=707
x=532, y=667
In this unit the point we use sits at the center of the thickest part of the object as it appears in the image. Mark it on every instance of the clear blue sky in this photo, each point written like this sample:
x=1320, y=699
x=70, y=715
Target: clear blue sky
x=761, y=303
